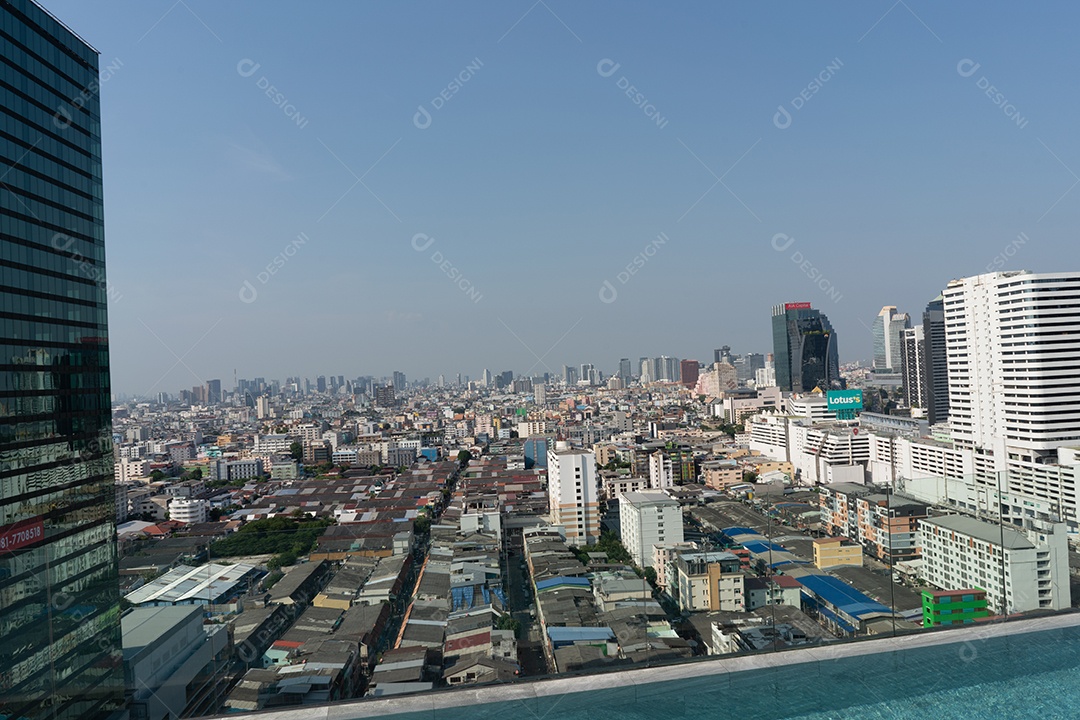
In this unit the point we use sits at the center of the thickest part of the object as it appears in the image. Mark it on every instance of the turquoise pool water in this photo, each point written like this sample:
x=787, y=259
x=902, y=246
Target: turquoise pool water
x=1026, y=675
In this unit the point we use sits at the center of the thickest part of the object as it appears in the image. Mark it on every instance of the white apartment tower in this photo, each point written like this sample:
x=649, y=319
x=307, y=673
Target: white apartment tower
x=647, y=519
x=661, y=473
x=888, y=331
x=1012, y=341
x=574, y=494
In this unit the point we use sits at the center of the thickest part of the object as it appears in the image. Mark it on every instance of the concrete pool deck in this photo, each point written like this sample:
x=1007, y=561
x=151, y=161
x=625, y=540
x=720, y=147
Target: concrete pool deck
x=530, y=692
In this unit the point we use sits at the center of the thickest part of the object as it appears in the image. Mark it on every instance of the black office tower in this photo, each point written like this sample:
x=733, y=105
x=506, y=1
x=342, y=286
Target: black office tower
x=60, y=655
x=935, y=361
x=804, y=349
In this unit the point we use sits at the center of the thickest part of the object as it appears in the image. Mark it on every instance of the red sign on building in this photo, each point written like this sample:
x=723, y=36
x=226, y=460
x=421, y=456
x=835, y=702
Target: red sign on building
x=797, y=306
x=21, y=534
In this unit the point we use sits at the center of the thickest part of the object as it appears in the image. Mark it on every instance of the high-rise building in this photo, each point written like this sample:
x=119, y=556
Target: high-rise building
x=661, y=472
x=625, y=371
x=804, y=349
x=647, y=375
x=670, y=368
x=935, y=363
x=320, y=384
x=689, y=372
x=61, y=653
x=485, y=378
x=1014, y=388
x=213, y=391
x=399, y=381
x=647, y=519
x=746, y=366
x=384, y=396
x=888, y=331
x=574, y=493
x=570, y=375
x=914, y=362
x=766, y=376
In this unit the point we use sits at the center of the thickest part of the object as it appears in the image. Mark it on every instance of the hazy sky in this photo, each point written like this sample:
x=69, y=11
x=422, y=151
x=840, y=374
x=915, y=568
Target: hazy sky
x=915, y=144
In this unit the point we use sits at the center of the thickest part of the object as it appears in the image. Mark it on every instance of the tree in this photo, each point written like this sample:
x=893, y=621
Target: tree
x=274, y=536
x=650, y=575
x=296, y=449
x=464, y=457
x=196, y=474
x=506, y=622
x=157, y=475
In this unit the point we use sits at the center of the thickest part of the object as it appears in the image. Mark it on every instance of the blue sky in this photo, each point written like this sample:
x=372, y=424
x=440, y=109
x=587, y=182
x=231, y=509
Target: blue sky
x=920, y=143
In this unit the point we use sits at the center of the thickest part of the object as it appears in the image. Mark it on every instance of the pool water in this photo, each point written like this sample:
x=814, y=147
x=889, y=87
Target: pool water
x=1022, y=675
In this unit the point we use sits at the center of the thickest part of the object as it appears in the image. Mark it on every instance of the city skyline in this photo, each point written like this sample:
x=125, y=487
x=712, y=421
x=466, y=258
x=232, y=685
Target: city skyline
x=501, y=144
x=659, y=478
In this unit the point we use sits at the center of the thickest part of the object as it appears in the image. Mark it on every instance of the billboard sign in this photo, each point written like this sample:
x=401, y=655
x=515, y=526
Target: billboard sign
x=28, y=532
x=844, y=400
x=797, y=306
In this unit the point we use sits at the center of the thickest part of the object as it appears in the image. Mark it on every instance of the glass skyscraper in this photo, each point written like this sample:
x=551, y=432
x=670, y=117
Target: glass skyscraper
x=60, y=649
x=804, y=349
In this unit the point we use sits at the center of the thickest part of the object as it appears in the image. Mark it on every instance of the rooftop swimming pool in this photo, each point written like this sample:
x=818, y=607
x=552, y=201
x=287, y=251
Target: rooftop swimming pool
x=1019, y=669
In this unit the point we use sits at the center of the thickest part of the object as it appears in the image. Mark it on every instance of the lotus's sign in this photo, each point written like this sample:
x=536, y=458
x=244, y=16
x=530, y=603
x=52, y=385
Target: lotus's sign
x=844, y=399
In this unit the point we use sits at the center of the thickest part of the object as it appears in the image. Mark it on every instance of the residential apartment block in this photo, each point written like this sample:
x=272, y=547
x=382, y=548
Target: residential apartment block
x=573, y=493
x=647, y=519
x=1020, y=569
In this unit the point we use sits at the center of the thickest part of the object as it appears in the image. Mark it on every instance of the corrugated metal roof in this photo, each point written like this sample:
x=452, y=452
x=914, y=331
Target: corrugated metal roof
x=562, y=580
x=841, y=595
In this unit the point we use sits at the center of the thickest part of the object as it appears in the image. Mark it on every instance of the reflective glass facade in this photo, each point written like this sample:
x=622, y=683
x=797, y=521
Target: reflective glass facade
x=804, y=349
x=60, y=653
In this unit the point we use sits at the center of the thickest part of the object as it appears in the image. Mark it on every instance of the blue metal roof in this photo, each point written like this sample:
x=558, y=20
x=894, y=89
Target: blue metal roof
x=789, y=562
x=760, y=547
x=732, y=531
x=562, y=580
x=841, y=595
x=579, y=634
